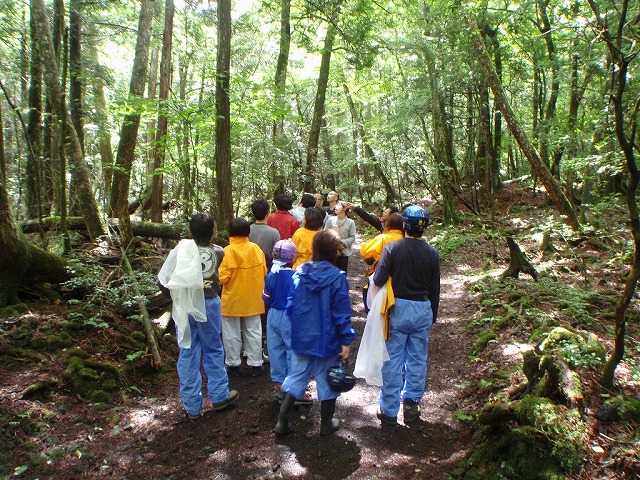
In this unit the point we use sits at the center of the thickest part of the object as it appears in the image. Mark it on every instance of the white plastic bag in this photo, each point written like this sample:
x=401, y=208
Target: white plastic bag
x=373, y=349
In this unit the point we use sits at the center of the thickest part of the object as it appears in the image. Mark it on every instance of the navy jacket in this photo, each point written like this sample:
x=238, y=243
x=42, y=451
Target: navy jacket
x=320, y=310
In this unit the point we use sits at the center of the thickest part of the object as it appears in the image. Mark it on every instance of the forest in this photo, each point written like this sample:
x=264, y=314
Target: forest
x=513, y=123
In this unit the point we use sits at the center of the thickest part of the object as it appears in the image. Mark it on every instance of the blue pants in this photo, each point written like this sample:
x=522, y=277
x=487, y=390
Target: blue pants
x=302, y=367
x=278, y=343
x=408, y=347
x=206, y=346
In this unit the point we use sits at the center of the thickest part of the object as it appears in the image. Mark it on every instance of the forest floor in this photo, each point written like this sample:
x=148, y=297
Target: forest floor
x=148, y=436
x=139, y=431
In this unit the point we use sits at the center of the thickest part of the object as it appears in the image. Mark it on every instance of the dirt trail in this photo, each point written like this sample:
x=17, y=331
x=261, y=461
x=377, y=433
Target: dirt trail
x=148, y=436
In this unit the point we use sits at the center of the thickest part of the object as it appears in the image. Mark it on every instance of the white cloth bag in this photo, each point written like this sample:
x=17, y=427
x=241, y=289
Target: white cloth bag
x=181, y=273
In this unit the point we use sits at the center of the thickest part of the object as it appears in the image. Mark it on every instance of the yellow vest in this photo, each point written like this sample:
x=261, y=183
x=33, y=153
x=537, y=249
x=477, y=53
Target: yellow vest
x=242, y=273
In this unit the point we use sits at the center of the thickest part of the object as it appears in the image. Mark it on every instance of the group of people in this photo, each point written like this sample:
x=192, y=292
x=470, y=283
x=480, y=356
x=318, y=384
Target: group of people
x=286, y=277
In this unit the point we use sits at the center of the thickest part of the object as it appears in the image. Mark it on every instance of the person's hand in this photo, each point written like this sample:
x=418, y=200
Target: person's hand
x=349, y=206
x=344, y=355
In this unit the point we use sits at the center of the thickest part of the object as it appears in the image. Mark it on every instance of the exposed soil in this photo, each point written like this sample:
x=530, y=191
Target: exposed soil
x=148, y=436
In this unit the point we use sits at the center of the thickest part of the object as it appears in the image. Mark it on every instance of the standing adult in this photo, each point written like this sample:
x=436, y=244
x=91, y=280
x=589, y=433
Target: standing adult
x=371, y=250
x=282, y=220
x=319, y=199
x=303, y=237
x=346, y=230
x=332, y=199
x=414, y=269
x=265, y=237
x=260, y=232
x=379, y=223
x=306, y=201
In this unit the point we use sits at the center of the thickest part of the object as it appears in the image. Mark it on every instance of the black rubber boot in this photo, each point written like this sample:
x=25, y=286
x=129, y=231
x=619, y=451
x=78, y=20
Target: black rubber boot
x=282, y=426
x=328, y=424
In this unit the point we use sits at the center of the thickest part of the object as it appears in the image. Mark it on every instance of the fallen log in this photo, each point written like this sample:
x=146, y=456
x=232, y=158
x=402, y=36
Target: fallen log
x=139, y=228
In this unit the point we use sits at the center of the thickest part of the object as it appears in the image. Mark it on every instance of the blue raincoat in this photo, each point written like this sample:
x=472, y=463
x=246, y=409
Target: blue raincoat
x=320, y=310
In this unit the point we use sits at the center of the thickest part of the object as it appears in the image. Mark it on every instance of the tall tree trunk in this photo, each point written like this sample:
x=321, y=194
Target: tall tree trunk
x=34, y=132
x=318, y=110
x=52, y=80
x=554, y=191
x=165, y=76
x=626, y=130
x=550, y=109
x=277, y=179
x=443, y=146
x=189, y=192
x=125, y=155
x=392, y=196
x=496, y=183
x=75, y=68
x=152, y=93
x=3, y=158
x=223, y=117
x=104, y=135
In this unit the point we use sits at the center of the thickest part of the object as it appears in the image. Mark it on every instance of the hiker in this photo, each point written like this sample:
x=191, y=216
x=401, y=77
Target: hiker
x=242, y=274
x=303, y=237
x=306, y=201
x=260, y=232
x=379, y=223
x=277, y=287
x=371, y=250
x=346, y=231
x=265, y=237
x=320, y=312
x=414, y=269
x=282, y=220
x=332, y=201
x=190, y=276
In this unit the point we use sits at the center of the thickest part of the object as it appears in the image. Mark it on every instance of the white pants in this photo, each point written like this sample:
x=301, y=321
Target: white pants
x=237, y=329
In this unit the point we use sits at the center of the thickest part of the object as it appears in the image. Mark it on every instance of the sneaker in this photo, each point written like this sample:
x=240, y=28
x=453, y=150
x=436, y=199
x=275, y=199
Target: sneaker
x=256, y=371
x=385, y=419
x=411, y=411
x=193, y=418
x=233, y=371
x=233, y=396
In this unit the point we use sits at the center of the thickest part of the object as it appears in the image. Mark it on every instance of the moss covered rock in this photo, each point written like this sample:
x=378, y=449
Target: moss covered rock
x=577, y=349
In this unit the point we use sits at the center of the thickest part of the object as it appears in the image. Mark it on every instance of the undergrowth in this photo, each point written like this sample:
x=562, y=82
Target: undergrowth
x=566, y=316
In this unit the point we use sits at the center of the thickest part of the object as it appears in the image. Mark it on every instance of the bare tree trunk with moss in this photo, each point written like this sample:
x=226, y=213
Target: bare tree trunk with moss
x=626, y=130
x=119, y=202
x=34, y=131
x=21, y=262
x=223, y=117
x=554, y=191
x=52, y=80
x=318, y=110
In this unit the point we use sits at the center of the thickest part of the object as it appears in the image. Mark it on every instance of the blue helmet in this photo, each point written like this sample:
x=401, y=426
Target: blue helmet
x=415, y=218
x=340, y=380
